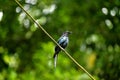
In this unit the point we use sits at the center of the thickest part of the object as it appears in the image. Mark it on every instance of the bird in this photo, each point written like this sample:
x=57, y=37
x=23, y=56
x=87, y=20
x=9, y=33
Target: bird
x=63, y=42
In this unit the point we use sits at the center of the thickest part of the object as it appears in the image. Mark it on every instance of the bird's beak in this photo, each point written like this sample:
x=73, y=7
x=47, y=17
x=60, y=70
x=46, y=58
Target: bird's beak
x=70, y=32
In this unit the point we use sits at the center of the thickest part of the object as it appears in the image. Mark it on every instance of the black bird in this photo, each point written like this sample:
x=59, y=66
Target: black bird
x=62, y=41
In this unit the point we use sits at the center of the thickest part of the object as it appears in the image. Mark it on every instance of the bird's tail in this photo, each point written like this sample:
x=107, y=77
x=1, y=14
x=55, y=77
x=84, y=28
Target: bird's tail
x=55, y=59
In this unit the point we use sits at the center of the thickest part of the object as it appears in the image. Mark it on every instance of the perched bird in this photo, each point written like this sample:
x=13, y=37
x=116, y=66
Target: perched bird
x=62, y=41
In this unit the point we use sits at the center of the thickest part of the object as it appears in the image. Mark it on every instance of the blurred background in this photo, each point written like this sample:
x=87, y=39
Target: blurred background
x=26, y=52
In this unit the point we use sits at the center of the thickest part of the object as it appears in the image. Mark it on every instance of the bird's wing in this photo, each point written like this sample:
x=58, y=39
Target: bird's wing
x=61, y=40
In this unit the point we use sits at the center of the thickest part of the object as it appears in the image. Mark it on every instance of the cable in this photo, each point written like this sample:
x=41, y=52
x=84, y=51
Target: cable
x=55, y=41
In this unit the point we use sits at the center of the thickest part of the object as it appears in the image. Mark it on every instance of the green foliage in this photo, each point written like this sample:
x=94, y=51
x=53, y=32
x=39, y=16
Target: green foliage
x=26, y=52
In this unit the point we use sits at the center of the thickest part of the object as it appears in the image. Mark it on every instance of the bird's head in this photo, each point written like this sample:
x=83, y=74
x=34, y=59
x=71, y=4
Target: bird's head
x=67, y=32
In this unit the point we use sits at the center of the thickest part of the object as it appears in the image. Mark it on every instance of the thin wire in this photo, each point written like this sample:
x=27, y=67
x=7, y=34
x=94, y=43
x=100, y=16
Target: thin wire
x=56, y=42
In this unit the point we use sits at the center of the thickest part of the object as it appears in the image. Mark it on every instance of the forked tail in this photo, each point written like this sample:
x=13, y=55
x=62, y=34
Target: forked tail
x=55, y=59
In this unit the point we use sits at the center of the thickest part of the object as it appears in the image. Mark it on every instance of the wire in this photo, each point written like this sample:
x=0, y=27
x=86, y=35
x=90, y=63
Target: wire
x=55, y=41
